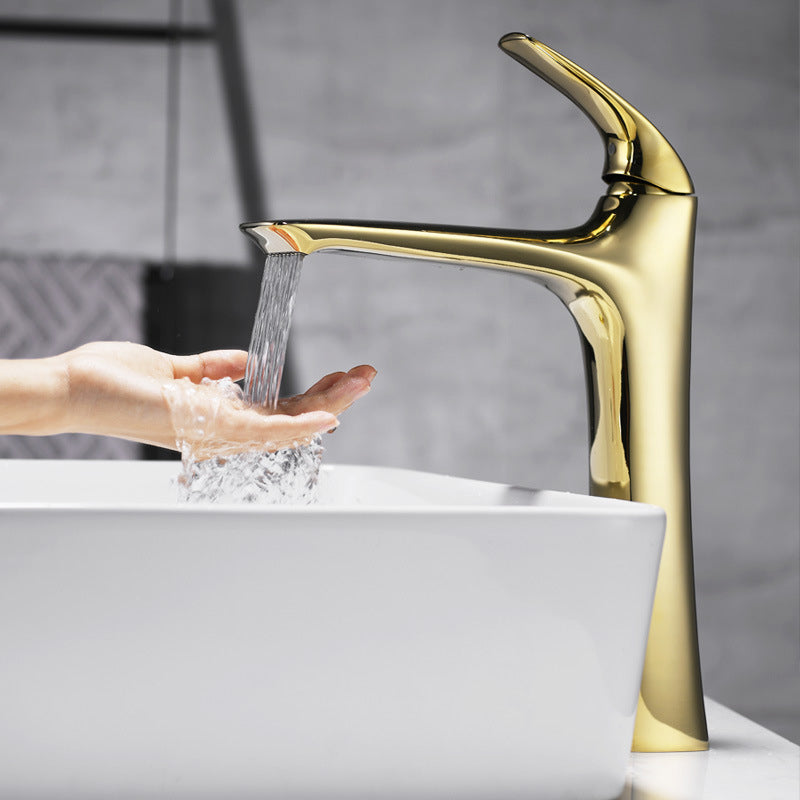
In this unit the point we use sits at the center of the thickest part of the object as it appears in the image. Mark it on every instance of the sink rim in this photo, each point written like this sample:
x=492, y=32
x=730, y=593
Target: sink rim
x=545, y=502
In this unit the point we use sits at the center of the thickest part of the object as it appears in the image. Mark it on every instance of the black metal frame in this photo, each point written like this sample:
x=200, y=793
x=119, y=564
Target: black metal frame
x=88, y=29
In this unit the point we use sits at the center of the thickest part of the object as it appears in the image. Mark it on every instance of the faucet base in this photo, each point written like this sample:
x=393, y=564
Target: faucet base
x=653, y=736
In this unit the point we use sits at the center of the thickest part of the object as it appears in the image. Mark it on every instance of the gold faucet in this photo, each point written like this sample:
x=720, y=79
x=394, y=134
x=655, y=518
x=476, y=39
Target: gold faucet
x=626, y=277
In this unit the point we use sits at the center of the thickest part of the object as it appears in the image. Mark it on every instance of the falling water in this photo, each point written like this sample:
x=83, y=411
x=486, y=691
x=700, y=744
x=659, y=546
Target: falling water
x=290, y=475
x=271, y=329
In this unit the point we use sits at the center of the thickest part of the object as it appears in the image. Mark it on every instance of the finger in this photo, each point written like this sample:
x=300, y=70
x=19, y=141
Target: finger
x=342, y=394
x=363, y=371
x=345, y=392
x=322, y=385
x=325, y=383
x=213, y=364
x=334, y=393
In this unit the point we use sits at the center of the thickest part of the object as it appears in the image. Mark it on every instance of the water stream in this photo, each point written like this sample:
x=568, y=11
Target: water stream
x=287, y=476
x=267, y=351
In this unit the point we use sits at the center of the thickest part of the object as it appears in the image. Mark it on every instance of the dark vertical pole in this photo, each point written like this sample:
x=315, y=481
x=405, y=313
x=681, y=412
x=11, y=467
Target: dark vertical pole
x=236, y=96
x=172, y=143
x=241, y=126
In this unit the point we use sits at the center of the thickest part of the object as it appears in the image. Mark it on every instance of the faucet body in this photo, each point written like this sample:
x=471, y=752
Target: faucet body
x=626, y=277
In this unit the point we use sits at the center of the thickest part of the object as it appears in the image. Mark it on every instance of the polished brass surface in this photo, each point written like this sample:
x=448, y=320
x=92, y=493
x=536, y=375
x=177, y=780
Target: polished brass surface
x=626, y=278
x=635, y=149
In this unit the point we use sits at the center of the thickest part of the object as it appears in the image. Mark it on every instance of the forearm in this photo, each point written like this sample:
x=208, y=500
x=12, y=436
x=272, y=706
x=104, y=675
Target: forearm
x=33, y=395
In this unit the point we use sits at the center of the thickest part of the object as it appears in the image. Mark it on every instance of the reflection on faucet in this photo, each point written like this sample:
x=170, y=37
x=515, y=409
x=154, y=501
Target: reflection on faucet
x=608, y=467
x=657, y=778
x=626, y=277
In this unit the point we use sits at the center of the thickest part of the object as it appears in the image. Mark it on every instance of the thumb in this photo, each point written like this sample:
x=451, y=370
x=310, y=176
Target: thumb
x=213, y=364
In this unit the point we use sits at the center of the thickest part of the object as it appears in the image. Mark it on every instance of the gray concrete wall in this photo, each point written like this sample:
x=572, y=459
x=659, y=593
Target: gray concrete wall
x=408, y=111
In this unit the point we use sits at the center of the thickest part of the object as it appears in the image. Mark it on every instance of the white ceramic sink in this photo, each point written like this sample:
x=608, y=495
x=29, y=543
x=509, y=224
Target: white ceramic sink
x=413, y=636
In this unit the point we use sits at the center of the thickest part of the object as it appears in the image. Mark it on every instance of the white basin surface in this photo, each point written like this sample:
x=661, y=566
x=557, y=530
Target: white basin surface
x=412, y=636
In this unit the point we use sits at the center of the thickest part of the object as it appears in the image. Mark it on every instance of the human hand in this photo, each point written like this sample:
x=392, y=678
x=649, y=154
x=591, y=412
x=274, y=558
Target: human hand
x=134, y=392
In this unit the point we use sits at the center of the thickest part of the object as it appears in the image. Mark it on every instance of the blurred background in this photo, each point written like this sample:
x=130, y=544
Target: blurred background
x=138, y=134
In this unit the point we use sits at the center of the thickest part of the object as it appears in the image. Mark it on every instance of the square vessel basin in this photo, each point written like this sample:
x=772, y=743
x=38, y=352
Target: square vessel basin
x=411, y=636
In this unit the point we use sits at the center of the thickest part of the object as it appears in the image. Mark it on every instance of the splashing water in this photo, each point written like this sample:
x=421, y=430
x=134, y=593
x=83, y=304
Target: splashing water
x=287, y=476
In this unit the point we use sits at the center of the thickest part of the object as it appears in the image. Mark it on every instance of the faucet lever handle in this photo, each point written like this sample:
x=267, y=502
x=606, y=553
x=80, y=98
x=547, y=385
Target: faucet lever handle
x=636, y=150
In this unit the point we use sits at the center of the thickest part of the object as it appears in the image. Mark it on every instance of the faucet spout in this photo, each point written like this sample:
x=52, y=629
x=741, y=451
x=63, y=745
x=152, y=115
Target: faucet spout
x=625, y=276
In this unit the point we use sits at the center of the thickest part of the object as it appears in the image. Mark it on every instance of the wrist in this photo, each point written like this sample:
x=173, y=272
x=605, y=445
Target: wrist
x=33, y=396
x=56, y=376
